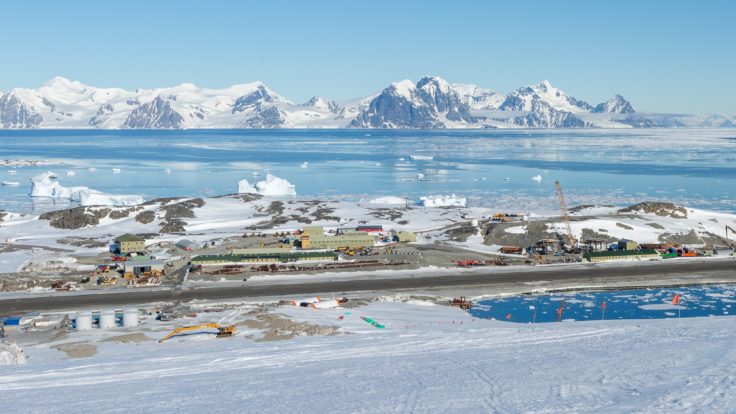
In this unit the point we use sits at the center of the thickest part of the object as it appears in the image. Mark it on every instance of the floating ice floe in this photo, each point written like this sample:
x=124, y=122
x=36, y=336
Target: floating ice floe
x=167, y=171
x=10, y=183
x=443, y=201
x=422, y=157
x=271, y=186
x=12, y=172
x=420, y=176
x=46, y=185
x=70, y=173
x=537, y=178
x=390, y=200
x=305, y=164
x=91, y=169
x=116, y=170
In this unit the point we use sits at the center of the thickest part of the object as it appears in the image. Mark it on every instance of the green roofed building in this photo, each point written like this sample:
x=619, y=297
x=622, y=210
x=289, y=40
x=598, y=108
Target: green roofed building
x=130, y=243
x=264, y=258
x=621, y=255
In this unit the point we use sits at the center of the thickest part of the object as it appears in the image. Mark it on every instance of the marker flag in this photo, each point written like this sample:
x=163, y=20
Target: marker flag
x=676, y=299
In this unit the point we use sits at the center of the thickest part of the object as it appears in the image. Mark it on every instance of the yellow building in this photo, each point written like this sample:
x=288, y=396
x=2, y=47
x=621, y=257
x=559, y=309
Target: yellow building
x=607, y=256
x=350, y=240
x=406, y=237
x=626, y=244
x=130, y=243
x=313, y=230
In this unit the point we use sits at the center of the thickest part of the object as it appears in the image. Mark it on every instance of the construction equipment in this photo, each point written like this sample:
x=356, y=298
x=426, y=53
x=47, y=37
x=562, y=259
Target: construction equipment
x=732, y=232
x=565, y=217
x=222, y=331
x=469, y=263
x=461, y=303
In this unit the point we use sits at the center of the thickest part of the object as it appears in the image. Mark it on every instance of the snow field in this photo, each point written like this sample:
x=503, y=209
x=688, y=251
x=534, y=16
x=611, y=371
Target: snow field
x=429, y=358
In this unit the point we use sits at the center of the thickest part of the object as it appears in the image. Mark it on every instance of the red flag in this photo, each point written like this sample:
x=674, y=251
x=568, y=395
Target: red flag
x=508, y=316
x=676, y=299
x=603, y=305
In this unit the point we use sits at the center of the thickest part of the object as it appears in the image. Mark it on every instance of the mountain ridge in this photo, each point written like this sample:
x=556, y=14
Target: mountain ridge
x=430, y=103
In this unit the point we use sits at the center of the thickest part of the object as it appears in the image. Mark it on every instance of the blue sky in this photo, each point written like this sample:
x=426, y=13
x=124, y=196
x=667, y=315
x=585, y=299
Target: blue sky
x=665, y=56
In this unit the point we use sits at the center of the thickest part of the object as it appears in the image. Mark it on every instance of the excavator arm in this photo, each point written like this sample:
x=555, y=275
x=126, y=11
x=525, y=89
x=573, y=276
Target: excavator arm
x=222, y=331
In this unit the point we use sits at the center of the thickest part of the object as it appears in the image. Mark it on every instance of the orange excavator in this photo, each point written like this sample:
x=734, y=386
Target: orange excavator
x=222, y=331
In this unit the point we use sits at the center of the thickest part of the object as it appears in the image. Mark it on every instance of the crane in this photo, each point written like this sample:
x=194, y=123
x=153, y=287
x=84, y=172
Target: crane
x=732, y=232
x=563, y=209
x=222, y=331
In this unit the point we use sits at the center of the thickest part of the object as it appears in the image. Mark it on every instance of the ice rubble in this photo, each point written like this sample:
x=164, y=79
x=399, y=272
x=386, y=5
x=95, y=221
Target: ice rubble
x=390, y=200
x=43, y=185
x=443, y=201
x=271, y=186
x=11, y=353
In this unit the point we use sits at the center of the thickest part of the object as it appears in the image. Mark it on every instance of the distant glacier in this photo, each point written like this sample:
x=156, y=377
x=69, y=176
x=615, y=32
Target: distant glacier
x=431, y=103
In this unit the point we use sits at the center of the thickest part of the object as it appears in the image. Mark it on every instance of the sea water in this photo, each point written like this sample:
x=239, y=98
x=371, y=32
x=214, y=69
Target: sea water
x=490, y=167
x=705, y=300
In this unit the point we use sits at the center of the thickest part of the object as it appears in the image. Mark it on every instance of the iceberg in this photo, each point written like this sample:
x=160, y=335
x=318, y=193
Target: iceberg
x=390, y=200
x=271, y=186
x=537, y=178
x=443, y=201
x=44, y=185
x=418, y=157
x=245, y=187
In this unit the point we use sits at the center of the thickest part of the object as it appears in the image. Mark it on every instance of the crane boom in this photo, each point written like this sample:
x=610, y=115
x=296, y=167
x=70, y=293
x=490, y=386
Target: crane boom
x=732, y=231
x=563, y=209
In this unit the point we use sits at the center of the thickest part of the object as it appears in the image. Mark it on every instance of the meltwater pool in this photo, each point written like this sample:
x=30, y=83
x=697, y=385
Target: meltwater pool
x=655, y=303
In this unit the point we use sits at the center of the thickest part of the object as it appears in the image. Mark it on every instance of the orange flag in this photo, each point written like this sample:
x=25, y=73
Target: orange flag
x=676, y=299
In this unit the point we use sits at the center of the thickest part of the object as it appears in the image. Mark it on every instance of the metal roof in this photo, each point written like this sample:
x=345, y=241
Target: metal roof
x=127, y=237
x=143, y=263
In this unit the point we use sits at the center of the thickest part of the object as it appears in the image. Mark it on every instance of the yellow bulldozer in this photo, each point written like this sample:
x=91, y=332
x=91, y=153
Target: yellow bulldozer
x=222, y=331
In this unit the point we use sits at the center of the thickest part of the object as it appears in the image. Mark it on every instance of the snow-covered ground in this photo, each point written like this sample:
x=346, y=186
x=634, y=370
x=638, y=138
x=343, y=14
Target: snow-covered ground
x=429, y=358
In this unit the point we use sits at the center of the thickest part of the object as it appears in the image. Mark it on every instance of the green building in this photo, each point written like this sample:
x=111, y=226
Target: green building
x=263, y=258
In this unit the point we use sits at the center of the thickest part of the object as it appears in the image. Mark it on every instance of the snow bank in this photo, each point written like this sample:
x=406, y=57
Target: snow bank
x=443, y=201
x=96, y=198
x=43, y=185
x=391, y=200
x=271, y=186
x=11, y=354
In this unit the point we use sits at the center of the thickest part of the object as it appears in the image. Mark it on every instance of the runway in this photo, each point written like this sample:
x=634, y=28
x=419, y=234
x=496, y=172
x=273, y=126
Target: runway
x=723, y=269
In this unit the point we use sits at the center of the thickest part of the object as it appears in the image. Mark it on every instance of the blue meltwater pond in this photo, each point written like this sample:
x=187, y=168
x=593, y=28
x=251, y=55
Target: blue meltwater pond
x=707, y=300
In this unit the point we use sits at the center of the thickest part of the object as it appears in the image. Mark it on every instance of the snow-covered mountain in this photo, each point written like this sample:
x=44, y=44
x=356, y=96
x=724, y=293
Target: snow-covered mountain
x=530, y=98
x=430, y=103
x=616, y=105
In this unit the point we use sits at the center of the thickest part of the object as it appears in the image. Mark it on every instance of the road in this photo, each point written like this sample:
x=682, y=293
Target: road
x=724, y=269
